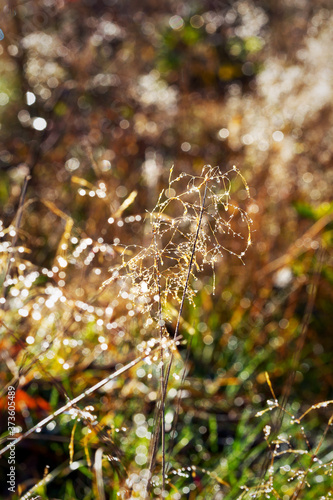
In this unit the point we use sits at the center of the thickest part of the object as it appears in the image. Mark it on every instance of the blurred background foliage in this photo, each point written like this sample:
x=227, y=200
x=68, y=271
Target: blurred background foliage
x=98, y=99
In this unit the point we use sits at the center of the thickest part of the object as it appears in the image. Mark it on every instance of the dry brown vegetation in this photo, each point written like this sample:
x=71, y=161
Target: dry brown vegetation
x=166, y=322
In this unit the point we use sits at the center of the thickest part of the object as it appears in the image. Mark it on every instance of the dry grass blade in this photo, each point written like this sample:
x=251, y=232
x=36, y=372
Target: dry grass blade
x=71, y=443
x=126, y=203
x=268, y=380
x=98, y=466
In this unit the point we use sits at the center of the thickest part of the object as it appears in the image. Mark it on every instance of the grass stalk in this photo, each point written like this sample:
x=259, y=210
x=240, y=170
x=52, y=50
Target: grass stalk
x=168, y=370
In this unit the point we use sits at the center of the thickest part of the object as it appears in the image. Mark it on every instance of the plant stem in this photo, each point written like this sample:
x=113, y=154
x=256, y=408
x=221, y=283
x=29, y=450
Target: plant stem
x=186, y=284
x=167, y=373
x=161, y=410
